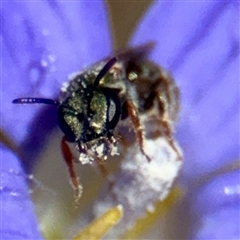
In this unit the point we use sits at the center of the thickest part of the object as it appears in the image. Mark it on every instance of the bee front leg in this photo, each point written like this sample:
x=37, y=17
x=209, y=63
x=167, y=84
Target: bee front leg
x=74, y=180
x=137, y=125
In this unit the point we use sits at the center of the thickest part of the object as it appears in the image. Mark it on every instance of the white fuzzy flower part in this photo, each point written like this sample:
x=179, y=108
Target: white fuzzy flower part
x=138, y=185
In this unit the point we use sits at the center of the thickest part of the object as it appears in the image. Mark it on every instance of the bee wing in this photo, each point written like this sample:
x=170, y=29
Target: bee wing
x=135, y=54
x=132, y=54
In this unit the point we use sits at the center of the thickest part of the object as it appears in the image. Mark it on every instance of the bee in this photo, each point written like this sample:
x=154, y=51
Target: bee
x=95, y=101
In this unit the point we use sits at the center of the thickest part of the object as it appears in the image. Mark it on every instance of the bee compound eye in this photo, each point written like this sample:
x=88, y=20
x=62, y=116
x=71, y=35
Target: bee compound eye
x=65, y=125
x=114, y=108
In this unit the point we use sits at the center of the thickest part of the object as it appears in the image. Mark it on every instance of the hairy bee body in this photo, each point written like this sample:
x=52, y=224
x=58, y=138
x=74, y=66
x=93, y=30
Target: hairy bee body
x=95, y=101
x=131, y=87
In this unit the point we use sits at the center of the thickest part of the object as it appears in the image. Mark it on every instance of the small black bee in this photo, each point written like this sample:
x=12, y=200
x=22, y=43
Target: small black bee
x=95, y=101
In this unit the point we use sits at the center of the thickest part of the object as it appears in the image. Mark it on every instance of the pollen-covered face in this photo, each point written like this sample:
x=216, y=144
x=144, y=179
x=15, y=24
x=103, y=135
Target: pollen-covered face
x=89, y=115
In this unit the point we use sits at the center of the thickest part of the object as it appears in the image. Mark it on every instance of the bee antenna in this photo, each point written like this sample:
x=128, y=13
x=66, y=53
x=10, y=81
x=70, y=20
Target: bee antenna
x=104, y=70
x=35, y=101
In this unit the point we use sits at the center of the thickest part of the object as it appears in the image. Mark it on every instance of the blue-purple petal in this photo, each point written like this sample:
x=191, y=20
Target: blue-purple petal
x=18, y=219
x=206, y=74
x=216, y=206
x=199, y=43
x=44, y=42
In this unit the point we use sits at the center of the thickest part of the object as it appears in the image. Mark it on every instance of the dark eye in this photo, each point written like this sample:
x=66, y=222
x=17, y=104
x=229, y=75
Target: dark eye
x=64, y=126
x=114, y=108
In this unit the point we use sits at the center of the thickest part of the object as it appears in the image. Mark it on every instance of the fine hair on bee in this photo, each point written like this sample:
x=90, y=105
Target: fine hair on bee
x=95, y=101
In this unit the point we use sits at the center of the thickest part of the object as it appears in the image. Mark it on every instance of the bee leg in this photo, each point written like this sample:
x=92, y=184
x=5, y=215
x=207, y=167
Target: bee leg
x=138, y=127
x=74, y=180
x=167, y=130
x=168, y=134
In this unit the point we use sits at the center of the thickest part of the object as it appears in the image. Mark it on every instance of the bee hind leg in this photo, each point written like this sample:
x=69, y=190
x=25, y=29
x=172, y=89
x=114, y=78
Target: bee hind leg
x=169, y=136
x=165, y=124
x=137, y=125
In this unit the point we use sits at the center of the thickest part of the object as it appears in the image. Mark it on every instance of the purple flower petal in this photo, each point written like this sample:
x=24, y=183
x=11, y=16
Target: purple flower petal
x=17, y=213
x=204, y=70
x=220, y=208
x=44, y=42
x=199, y=43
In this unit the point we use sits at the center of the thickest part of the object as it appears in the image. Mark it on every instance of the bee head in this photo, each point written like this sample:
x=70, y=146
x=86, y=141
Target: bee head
x=88, y=114
x=91, y=113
